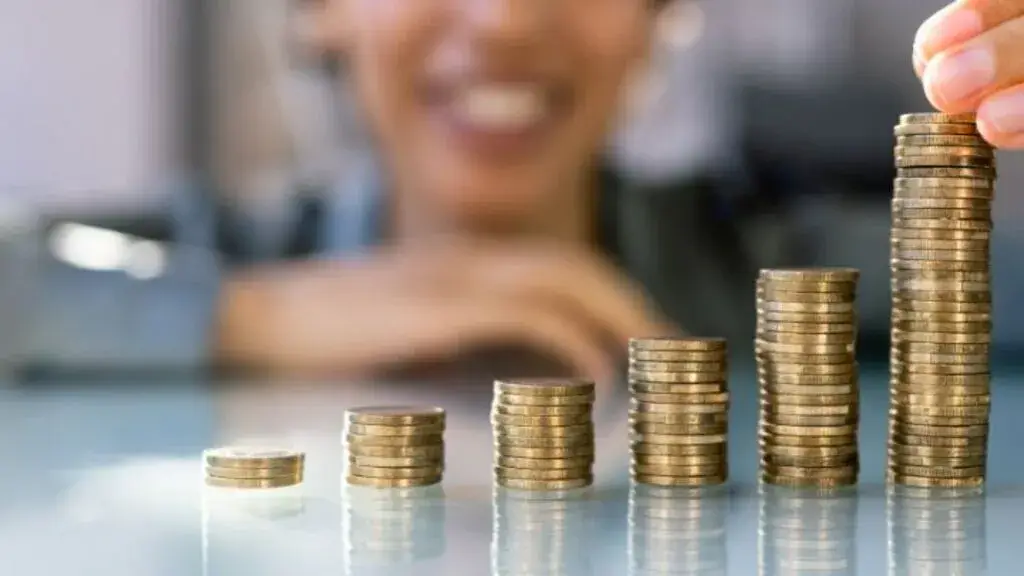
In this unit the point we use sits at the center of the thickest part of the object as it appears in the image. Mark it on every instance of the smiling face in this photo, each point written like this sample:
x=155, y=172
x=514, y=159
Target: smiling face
x=492, y=109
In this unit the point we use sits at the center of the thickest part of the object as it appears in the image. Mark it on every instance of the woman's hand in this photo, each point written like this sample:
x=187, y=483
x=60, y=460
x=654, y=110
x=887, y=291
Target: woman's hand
x=970, y=57
x=433, y=302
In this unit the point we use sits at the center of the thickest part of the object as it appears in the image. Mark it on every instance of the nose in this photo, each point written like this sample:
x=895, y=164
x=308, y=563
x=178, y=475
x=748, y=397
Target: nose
x=507, y=22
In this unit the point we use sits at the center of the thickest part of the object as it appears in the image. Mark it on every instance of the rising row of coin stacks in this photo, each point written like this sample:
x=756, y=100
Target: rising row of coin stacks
x=677, y=531
x=807, y=371
x=941, y=302
x=936, y=531
x=679, y=411
x=543, y=434
x=249, y=468
x=807, y=532
x=394, y=446
x=536, y=533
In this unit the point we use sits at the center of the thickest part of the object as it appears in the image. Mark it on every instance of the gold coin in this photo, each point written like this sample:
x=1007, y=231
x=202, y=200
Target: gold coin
x=899, y=367
x=683, y=429
x=517, y=420
x=776, y=440
x=396, y=415
x=255, y=473
x=549, y=474
x=372, y=472
x=246, y=457
x=942, y=337
x=902, y=461
x=935, y=129
x=937, y=441
x=653, y=480
x=818, y=431
x=900, y=245
x=943, y=183
x=816, y=420
x=933, y=118
x=704, y=367
x=674, y=470
x=675, y=450
x=929, y=348
x=936, y=451
x=941, y=141
x=798, y=472
x=810, y=390
x=904, y=417
x=545, y=463
x=808, y=482
x=394, y=461
x=947, y=296
x=940, y=255
x=894, y=478
x=677, y=344
x=677, y=418
x=949, y=381
x=544, y=431
x=931, y=223
x=976, y=431
x=939, y=471
x=806, y=307
x=716, y=459
x=814, y=400
x=940, y=402
x=546, y=442
x=805, y=328
x=677, y=389
x=517, y=484
x=810, y=275
x=808, y=286
x=774, y=461
x=528, y=400
x=518, y=410
x=584, y=450
x=377, y=430
x=767, y=367
x=982, y=173
x=775, y=347
x=697, y=408
x=775, y=357
x=426, y=452
x=715, y=398
x=900, y=386
x=940, y=285
x=798, y=338
x=948, y=193
x=946, y=161
x=943, y=203
x=956, y=265
x=769, y=406
x=806, y=317
x=675, y=377
x=392, y=482
x=777, y=295
x=253, y=483
x=809, y=451
x=363, y=440
x=679, y=438
x=545, y=387
x=953, y=317
x=677, y=355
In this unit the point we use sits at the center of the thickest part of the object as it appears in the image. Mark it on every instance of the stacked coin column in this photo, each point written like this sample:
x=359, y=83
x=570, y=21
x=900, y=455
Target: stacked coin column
x=807, y=532
x=543, y=434
x=394, y=447
x=806, y=366
x=678, y=411
x=941, y=302
x=936, y=531
x=253, y=468
x=677, y=531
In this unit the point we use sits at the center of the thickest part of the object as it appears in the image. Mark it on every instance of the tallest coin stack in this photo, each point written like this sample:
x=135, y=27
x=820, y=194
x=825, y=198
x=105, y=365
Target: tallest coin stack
x=941, y=302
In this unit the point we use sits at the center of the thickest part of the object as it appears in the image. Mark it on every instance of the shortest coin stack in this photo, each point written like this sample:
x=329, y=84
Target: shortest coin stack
x=394, y=446
x=679, y=411
x=543, y=434
x=253, y=468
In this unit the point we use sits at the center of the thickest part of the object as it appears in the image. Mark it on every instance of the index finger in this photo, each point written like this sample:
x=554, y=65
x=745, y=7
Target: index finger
x=959, y=22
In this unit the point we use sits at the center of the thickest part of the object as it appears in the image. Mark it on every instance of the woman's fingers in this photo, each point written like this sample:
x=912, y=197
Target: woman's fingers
x=1001, y=118
x=959, y=22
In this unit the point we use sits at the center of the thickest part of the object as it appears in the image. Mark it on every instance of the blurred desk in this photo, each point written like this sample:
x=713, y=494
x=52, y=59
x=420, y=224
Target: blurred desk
x=105, y=479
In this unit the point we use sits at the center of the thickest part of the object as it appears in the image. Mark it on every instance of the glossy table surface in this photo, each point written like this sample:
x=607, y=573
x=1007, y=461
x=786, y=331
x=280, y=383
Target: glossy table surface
x=104, y=478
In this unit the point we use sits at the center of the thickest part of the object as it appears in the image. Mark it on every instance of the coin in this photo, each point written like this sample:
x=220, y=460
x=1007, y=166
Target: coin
x=777, y=295
x=376, y=472
x=945, y=307
x=936, y=326
x=677, y=355
x=643, y=448
x=935, y=128
x=806, y=318
x=923, y=285
x=774, y=461
x=939, y=401
x=803, y=431
x=766, y=437
x=679, y=438
x=371, y=440
x=940, y=255
x=583, y=461
x=808, y=482
x=254, y=473
x=245, y=457
x=394, y=461
x=929, y=348
x=809, y=451
x=253, y=483
x=544, y=387
x=680, y=480
x=680, y=344
x=815, y=390
x=392, y=482
x=676, y=470
x=935, y=451
x=503, y=451
x=941, y=431
x=518, y=484
x=532, y=400
x=977, y=235
x=533, y=411
x=518, y=420
x=811, y=400
x=939, y=471
x=396, y=415
x=905, y=418
x=776, y=347
x=680, y=418
x=546, y=442
x=806, y=307
x=905, y=384
x=942, y=161
x=984, y=173
x=803, y=338
x=942, y=337
x=717, y=458
x=806, y=328
x=904, y=461
x=695, y=408
x=704, y=367
x=899, y=367
x=380, y=430
x=773, y=406
x=950, y=140
x=935, y=482
x=509, y=431
x=936, y=441
x=932, y=118
x=430, y=451
x=674, y=377
x=938, y=223
x=809, y=420
x=684, y=429
x=810, y=275
x=942, y=203
x=542, y=474
x=798, y=472
x=841, y=358
x=638, y=387
x=846, y=288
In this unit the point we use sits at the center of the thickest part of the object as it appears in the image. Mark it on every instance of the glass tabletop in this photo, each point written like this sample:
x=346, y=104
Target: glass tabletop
x=105, y=478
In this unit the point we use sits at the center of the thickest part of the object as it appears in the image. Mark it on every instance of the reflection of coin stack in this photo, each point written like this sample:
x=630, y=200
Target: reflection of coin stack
x=543, y=434
x=677, y=531
x=253, y=468
x=392, y=528
x=806, y=365
x=936, y=531
x=941, y=302
x=395, y=447
x=679, y=411
x=807, y=532
x=540, y=533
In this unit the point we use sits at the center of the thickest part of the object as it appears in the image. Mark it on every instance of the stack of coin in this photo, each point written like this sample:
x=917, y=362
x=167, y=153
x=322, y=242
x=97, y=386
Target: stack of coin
x=391, y=530
x=395, y=446
x=941, y=302
x=679, y=411
x=254, y=468
x=807, y=370
x=536, y=533
x=543, y=434
x=807, y=531
x=677, y=531
x=936, y=530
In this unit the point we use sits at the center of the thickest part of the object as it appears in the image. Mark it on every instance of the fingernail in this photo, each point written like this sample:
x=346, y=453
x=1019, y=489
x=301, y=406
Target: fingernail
x=1004, y=112
x=947, y=27
x=919, y=64
x=961, y=75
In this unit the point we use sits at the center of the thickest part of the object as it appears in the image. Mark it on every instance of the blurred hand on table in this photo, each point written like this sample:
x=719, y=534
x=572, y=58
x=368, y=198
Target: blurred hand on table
x=970, y=57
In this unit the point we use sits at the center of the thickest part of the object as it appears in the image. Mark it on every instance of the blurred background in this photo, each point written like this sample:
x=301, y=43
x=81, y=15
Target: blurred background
x=130, y=126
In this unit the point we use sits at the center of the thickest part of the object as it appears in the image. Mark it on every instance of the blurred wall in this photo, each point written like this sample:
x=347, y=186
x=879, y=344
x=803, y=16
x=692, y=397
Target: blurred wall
x=90, y=101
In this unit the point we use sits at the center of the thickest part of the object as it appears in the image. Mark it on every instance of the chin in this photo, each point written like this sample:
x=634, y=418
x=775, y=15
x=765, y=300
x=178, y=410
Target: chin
x=494, y=206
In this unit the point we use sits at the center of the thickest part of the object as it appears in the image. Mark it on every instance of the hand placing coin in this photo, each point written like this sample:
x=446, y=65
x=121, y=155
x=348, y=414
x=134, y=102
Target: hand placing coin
x=970, y=57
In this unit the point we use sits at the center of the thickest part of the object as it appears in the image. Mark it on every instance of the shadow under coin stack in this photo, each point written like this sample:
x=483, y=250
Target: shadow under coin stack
x=679, y=411
x=941, y=302
x=807, y=370
x=253, y=468
x=807, y=532
x=543, y=434
x=394, y=446
x=677, y=531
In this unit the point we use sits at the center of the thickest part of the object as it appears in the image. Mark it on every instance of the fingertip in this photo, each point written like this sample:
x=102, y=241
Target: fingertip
x=1001, y=119
x=919, y=63
x=952, y=25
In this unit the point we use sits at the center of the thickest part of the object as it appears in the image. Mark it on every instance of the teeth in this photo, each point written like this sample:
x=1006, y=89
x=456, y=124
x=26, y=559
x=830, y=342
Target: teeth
x=501, y=107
